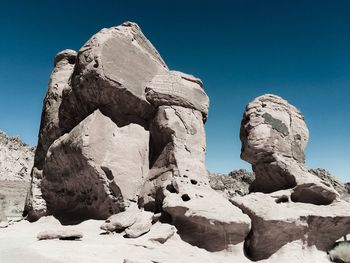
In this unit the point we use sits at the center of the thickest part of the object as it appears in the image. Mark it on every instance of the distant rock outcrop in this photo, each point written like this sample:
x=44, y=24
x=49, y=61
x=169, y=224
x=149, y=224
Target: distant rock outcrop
x=16, y=159
x=119, y=127
x=288, y=202
x=236, y=183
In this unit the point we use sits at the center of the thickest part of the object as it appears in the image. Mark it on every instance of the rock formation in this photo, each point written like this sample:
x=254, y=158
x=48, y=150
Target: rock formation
x=122, y=139
x=274, y=136
x=289, y=202
x=118, y=128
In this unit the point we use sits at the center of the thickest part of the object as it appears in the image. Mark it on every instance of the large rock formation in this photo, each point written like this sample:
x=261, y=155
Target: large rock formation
x=119, y=127
x=290, y=203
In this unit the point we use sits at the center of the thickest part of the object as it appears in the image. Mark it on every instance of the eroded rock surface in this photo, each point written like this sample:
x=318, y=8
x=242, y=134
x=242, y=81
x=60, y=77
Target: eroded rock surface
x=91, y=154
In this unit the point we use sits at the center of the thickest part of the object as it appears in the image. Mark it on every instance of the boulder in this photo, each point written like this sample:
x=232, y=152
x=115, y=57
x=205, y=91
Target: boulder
x=277, y=220
x=83, y=174
x=63, y=234
x=119, y=222
x=274, y=136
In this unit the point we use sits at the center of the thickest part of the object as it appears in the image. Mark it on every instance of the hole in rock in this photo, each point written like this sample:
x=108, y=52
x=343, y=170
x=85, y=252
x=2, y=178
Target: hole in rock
x=171, y=188
x=193, y=181
x=185, y=197
x=71, y=60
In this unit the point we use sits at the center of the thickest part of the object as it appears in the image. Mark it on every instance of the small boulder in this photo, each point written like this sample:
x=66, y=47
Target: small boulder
x=161, y=233
x=119, y=222
x=64, y=234
x=142, y=225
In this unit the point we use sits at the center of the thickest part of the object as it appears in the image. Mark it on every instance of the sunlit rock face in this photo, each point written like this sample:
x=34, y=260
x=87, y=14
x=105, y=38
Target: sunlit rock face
x=274, y=136
x=119, y=128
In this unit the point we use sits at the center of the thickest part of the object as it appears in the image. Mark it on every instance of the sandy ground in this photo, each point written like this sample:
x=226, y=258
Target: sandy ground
x=18, y=243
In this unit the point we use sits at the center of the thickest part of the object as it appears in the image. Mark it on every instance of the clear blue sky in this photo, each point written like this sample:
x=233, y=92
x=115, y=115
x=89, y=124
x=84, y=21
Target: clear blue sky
x=297, y=49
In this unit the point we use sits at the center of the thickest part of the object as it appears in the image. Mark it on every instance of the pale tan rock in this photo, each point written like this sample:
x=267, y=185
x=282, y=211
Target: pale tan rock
x=84, y=175
x=119, y=222
x=276, y=221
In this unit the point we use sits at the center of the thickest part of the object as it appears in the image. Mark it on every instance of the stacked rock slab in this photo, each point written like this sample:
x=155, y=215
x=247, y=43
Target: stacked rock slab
x=289, y=203
x=126, y=129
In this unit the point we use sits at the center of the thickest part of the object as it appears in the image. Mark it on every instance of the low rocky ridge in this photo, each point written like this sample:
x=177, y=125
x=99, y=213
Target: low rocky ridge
x=236, y=183
x=121, y=156
x=16, y=161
